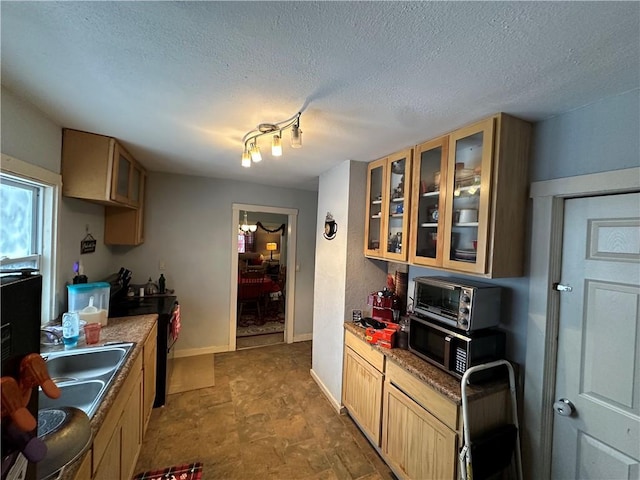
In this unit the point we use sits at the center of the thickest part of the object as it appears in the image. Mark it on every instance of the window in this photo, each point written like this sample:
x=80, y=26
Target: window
x=29, y=199
x=246, y=242
x=241, y=244
x=20, y=223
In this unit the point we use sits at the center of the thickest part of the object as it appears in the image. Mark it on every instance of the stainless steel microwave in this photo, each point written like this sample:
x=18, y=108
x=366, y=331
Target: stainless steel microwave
x=453, y=351
x=462, y=304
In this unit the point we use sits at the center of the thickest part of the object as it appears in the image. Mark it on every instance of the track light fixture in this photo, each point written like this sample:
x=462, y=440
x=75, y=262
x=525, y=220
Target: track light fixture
x=251, y=152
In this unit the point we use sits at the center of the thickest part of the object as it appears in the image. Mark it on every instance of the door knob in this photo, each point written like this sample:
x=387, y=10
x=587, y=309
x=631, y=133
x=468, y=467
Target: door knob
x=564, y=407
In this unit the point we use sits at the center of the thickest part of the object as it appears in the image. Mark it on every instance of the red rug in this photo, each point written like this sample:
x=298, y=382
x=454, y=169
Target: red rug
x=187, y=471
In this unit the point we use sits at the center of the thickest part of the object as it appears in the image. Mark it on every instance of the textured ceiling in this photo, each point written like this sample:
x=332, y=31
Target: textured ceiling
x=180, y=83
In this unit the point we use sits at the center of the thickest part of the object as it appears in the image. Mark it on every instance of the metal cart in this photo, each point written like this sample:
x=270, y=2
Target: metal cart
x=492, y=451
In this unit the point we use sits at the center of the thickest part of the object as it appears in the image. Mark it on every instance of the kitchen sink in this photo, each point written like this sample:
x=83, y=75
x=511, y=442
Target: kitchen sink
x=83, y=375
x=83, y=395
x=84, y=363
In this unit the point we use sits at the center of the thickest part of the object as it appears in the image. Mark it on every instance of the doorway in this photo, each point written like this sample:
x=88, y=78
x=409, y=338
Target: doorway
x=596, y=432
x=549, y=199
x=262, y=314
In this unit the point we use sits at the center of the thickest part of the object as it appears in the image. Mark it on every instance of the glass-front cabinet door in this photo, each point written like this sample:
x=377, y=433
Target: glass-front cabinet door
x=428, y=202
x=376, y=199
x=466, y=224
x=137, y=179
x=122, y=173
x=398, y=205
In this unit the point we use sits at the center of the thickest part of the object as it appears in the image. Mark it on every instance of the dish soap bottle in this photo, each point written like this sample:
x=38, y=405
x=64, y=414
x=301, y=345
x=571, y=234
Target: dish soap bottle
x=162, y=283
x=70, y=329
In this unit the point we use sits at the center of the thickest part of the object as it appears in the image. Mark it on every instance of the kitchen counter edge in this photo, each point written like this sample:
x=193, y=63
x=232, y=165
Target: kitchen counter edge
x=441, y=381
x=123, y=329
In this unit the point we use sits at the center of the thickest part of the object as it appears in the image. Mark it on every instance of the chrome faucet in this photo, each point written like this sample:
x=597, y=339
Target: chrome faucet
x=49, y=336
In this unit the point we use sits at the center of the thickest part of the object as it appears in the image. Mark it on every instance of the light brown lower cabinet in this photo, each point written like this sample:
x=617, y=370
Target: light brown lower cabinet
x=416, y=429
x=362, y=393
x=117, y=443
x=110, y=464
x=131, y=430
x=120, y=454
x=415, y=442
x=84, y=471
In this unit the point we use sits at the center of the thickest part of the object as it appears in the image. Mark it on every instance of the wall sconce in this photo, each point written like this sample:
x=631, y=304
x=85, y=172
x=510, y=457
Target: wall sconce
x=271, y=247
x=245, y=227
x=330, y=227
x=251, y=152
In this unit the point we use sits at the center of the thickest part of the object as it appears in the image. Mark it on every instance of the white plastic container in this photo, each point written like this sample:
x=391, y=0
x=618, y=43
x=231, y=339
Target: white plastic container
x=91, y=301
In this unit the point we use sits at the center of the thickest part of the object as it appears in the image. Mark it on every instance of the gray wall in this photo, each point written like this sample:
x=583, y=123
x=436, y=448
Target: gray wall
x=187, y=226
x=596, y=138
x=343, y=276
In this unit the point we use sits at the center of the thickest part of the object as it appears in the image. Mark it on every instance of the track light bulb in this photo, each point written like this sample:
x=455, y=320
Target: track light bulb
x=296, y=137
x=255, y=153
x=246, y=159
x=276, y=146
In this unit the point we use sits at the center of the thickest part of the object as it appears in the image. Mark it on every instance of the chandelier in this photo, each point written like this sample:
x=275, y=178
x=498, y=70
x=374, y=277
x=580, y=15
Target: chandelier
x=251, y=150
x=245, y=227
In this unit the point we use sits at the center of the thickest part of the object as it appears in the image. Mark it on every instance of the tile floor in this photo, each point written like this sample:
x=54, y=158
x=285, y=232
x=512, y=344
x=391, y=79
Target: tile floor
x=265, y=418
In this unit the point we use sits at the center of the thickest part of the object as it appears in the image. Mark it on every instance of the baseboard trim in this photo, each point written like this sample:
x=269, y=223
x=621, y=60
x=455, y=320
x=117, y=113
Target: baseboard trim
x=335, y=404
x=305, y=337
x=192, y=352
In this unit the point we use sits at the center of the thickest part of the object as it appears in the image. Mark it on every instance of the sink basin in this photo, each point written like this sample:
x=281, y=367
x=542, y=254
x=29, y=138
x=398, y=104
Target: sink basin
x=81, y=364
x=82, y=395
x=83, y=375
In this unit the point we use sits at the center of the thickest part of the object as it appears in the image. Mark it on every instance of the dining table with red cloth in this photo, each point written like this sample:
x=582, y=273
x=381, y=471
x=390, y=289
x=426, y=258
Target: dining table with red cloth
x=266, y=282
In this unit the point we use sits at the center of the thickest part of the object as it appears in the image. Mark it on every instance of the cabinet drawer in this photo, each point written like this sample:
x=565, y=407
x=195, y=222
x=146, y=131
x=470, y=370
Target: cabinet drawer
x=436, y=403
x=366, y=351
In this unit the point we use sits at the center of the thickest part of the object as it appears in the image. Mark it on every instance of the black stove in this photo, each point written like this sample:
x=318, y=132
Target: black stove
x=130, y=306
x=166, y=306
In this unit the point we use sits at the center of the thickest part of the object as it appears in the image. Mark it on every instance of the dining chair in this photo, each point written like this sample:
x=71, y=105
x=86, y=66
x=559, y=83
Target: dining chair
x=250, y=292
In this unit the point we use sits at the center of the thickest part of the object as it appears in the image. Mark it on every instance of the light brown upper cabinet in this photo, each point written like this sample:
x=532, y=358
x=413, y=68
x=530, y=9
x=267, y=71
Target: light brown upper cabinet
x=388, y=207
x=429, y=180
x=469, y=216
x=99, y=169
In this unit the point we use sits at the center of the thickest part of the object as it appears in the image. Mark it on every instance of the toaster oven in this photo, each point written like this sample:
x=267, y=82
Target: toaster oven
x=463, y=304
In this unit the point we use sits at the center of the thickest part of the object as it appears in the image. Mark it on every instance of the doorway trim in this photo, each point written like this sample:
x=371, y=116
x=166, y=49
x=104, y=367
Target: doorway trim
x=543, y=317
x=292, y=226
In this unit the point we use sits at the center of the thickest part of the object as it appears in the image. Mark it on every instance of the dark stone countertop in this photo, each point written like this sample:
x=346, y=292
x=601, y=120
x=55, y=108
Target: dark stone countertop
x=439, y=380
x=126, y=329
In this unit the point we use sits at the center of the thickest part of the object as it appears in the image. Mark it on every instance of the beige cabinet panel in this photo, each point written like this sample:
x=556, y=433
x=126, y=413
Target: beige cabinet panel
x=414, y=442
x=84, y=471
x=362, y=393
x=110, y=465
x=131, y=426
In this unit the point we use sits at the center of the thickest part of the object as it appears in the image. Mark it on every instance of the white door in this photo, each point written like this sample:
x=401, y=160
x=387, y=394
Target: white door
x=598, y=365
